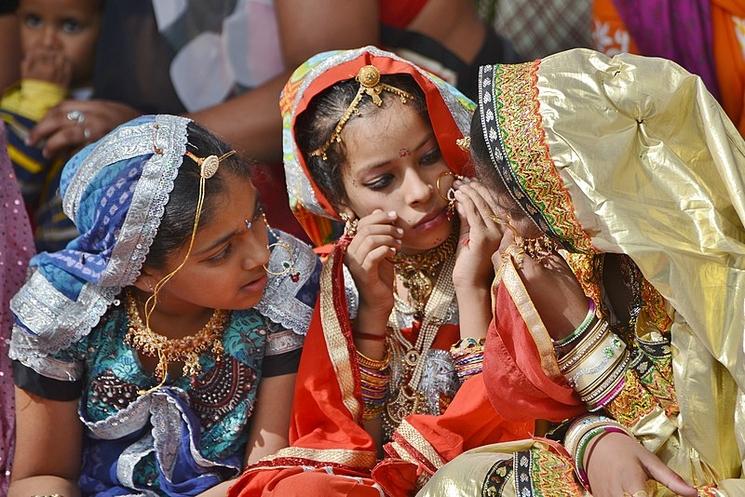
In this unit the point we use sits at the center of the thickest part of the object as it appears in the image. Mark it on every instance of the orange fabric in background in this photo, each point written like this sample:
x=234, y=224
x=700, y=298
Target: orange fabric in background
x=603, y=11
x=728, y=56
x=728, y=53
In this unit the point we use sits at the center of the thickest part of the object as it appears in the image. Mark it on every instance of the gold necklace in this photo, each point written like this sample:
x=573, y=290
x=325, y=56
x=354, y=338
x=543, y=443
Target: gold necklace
x=407, y=399
x=416, y=272
x=186, y=349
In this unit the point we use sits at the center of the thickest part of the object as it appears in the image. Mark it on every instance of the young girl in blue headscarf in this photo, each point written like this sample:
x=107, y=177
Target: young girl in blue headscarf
x=155, y=354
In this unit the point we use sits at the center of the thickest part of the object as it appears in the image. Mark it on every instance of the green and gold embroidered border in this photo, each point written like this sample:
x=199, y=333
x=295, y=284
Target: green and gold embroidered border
x=526, y=150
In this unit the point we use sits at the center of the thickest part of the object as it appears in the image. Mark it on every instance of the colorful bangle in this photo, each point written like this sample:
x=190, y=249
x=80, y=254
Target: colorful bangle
x=374, y=364
x=579, y=435
x=588, y=343
x=468, y=357
x=579, y=330
x=374, y=379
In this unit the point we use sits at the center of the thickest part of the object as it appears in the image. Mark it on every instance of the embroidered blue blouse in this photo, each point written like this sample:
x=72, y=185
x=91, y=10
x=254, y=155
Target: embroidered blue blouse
x=191, y=434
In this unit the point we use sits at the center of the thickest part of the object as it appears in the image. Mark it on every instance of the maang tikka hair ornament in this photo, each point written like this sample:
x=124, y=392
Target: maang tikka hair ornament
x=369, y=80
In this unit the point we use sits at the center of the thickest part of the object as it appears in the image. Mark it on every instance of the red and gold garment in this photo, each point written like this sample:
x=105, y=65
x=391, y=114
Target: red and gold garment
x=330, y=452
x=633, y=166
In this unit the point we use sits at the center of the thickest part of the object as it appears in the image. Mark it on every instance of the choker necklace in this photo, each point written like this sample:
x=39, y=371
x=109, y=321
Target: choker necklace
x=417, y=272
x=186, y=349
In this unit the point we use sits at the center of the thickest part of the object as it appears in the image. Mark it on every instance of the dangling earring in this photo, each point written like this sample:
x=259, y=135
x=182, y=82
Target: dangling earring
x=449, y=195
x=350, y=225
x=287, y=264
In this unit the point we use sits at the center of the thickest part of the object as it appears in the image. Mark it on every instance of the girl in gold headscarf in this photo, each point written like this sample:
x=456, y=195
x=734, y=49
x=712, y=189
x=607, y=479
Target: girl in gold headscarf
x=630, y=170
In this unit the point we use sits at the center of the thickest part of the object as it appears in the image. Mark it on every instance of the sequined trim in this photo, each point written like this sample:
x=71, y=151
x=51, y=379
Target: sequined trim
x=54, y=321
x=58, y=321
x=512, y=127
x=128, y=460
x=23, y=348
x=149, y=199
x=162, y=410
x=281, y=342
x=280, y=301
x=416, y=441
x=338, y=457
x=353, y=296
x=336, y=342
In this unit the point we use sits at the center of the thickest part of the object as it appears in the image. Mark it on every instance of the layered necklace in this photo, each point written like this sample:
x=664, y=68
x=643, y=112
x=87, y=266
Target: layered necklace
x=434, y=300
x=168, y=350
x=416, y=272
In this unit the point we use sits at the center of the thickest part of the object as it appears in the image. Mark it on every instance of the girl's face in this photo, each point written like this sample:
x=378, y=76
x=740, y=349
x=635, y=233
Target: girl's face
x=225, y=269
x=393, y=162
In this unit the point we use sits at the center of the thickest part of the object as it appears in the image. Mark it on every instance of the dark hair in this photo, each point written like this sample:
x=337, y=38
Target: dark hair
x=178, y=218
x=315, y=125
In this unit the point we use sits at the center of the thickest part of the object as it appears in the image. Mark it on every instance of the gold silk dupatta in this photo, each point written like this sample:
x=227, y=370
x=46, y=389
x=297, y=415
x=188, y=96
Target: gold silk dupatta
x=631, y=155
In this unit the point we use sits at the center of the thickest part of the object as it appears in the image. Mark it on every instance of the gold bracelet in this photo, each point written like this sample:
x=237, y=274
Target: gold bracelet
x=374, y=364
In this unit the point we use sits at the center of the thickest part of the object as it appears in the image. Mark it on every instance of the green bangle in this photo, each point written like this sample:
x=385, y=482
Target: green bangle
x=579, y=330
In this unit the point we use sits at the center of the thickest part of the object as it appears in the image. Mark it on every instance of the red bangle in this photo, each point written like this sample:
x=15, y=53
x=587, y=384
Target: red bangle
x=370, y=336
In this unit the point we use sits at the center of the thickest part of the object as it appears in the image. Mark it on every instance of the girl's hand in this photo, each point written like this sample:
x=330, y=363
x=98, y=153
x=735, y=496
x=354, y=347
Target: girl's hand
x=618, y=463
x=480, y=235
x=368, y=258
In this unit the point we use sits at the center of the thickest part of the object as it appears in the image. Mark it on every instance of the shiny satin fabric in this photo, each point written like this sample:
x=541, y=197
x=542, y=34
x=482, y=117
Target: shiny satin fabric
x=632, y=155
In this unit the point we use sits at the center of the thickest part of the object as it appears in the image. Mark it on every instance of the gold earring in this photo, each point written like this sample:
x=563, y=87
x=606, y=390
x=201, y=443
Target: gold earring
x=450, y=194
x=350, y=225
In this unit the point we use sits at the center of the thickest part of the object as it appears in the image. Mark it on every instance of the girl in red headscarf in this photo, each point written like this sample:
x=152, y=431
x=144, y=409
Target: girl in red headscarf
x=392, y=363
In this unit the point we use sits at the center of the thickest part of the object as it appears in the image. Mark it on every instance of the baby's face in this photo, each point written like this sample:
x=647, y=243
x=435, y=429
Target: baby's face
x=66, y=28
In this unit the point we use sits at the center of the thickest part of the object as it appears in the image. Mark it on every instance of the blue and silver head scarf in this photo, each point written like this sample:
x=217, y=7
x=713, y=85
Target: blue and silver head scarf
x=115, y=191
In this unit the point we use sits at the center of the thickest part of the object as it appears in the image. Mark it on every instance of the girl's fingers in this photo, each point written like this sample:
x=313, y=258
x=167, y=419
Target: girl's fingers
x=482, y=205
x=666, y=476
x=380, y=229
x=369, y=243
x=377, y=256
x=378, y=216
x=470, y=210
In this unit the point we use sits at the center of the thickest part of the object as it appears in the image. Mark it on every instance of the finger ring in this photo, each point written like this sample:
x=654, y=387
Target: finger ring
x=86, y=133
x=640, y=493
x=76, y=116
x=496, y=219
